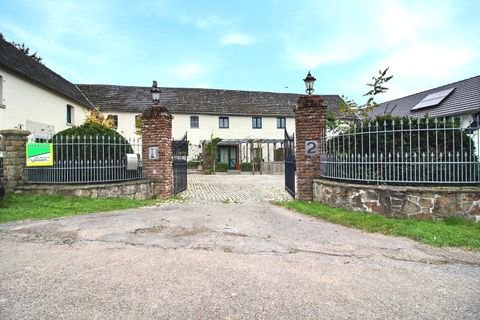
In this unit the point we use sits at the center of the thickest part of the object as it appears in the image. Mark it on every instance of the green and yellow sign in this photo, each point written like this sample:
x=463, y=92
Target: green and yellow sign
x=39, y=154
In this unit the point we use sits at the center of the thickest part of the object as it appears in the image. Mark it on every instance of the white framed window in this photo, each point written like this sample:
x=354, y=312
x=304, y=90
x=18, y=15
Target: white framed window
x=256, y=122
x=70, y=115
x=281, y=122
x=223, y=122
x=2, y=99
x=194, y=122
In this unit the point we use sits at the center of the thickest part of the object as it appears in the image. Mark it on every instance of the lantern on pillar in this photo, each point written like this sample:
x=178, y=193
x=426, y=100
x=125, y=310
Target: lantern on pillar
x=309, y=80
x=155, y=93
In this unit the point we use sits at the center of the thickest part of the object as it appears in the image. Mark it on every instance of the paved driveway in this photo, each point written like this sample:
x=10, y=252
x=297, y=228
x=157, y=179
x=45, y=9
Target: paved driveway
x=235, y=188
x=248, y=260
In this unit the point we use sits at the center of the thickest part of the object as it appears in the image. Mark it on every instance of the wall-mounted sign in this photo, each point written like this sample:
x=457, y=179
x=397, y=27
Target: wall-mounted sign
x=39, y=154
x=311, y=147
x=153, y=153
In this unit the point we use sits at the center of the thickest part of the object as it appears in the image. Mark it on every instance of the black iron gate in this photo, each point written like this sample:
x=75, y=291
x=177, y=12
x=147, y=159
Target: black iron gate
x=290, y=167
x=179, y=163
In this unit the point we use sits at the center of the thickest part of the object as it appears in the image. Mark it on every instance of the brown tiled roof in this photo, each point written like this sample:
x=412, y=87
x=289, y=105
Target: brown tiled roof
x=111, y=98
x=17, y=62
x=465, y=99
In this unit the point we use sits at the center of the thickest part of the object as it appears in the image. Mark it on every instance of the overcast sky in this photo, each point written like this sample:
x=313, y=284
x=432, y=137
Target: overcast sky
x=258, y=45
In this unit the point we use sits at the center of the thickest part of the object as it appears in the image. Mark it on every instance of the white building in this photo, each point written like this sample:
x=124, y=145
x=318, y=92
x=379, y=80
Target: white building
x=35, y=98
x=236, y=117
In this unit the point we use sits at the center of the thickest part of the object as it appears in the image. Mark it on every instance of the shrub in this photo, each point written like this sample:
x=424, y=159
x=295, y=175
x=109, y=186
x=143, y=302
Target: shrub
x=90, y=141
x=403, y=148
x=245, y=166
x=210, y=152
x=192, y=164
x=221, y=167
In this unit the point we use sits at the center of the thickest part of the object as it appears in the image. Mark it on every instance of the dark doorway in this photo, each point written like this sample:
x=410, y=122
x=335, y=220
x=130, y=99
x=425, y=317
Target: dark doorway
x=229, y=155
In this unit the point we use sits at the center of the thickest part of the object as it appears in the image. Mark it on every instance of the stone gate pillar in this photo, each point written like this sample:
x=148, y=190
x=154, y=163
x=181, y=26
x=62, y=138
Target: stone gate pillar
x=14, y=160
x=310, y=124
x=157, y=149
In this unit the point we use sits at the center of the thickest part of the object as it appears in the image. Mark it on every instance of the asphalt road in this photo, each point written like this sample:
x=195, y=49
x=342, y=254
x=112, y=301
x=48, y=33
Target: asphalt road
x=226, y=261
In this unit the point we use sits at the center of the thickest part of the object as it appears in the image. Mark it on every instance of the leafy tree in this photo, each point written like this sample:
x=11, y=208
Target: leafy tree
x=97, y=117
x=377, y=87
x=138, y=125
x=349, y=109
x=211, y=153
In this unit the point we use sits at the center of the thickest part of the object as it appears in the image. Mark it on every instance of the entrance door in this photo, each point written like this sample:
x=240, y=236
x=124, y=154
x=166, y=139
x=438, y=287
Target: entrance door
x=228, y=154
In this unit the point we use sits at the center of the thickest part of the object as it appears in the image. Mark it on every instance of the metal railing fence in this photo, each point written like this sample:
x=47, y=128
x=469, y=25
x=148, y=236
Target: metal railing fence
x=405, y=151
x=89, y=159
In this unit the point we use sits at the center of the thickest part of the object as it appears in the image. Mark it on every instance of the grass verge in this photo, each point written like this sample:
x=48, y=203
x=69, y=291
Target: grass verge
x=452, y=232
x=23, y=206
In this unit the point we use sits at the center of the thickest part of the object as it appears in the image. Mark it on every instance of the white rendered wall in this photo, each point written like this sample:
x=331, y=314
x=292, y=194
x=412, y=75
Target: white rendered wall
x=126, y=123
x=25, y=101
x=240, y=127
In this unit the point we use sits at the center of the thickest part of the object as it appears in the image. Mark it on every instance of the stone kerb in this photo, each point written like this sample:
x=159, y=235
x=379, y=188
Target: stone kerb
x=14, y=160
x=157, y=150
x=310, y=124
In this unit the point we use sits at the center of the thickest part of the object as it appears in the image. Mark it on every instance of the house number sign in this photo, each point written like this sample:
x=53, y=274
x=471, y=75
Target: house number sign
x=311, y=147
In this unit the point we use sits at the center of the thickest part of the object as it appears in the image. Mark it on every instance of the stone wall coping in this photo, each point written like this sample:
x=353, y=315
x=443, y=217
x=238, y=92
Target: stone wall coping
x=10, y=132
x=438, y=189
x=37, y=186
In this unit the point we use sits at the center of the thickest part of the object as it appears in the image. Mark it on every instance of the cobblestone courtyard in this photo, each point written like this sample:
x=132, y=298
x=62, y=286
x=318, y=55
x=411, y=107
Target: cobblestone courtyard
x=235, y=188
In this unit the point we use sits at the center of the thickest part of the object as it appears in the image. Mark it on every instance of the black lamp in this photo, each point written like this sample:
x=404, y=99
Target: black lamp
x=309, y=80
x=155, y=93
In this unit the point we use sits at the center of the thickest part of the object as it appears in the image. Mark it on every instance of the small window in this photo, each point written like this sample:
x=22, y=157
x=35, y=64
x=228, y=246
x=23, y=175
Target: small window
x=223, y=122
x=194, y=122
x=257, y=122
x=69, y=114
x=114, y=119
x=2, y=102
x=281, y=122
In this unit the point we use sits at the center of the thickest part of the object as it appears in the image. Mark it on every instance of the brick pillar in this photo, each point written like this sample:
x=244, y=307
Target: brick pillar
x=157, y=132
x=310, y=124
x=14, y=160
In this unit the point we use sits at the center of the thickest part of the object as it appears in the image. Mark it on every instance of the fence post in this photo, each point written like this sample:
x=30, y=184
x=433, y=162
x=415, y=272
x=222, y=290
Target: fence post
x=157, y=141
x=310, y=124
x=14, y=161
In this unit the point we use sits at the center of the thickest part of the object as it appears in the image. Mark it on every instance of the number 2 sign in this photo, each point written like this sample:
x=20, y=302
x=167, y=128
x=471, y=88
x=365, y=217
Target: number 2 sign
x=311, y=147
